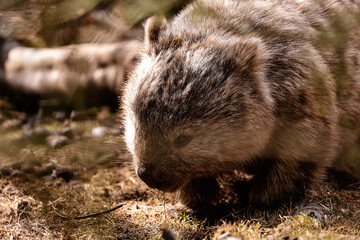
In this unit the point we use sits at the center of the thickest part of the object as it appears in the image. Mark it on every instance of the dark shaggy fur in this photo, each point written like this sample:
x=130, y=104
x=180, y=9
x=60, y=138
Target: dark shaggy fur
x=241, y=85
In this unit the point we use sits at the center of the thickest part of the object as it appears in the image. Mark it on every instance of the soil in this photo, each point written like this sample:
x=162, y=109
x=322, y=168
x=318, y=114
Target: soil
x=51, y=167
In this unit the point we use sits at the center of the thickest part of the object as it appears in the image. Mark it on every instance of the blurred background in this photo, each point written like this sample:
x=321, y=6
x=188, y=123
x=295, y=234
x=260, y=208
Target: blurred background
x=60, y=54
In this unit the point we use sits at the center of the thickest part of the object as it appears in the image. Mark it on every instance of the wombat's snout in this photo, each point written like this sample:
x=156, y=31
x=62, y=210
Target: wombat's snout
x=147, y=174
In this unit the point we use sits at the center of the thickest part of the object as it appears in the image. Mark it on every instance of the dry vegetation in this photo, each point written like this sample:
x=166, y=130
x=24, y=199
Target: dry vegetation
x=100, y=176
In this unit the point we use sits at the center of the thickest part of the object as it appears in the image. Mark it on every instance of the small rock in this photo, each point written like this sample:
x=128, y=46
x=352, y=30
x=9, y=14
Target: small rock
x=68, y=132
x=99, y=131
x=46, y=170
x=36, y=135
x=6, y=171
x=57, y=141
x=65, y=173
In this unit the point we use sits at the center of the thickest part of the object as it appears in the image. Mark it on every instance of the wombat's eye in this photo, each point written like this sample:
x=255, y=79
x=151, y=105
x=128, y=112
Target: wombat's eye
x=182, y=141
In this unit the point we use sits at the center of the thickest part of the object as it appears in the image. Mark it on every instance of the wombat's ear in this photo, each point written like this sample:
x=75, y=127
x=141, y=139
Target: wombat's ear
x=153, y=27
x=251, y=55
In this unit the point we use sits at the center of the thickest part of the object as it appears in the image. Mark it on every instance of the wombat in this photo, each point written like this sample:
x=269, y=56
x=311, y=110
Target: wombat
x=242, y=85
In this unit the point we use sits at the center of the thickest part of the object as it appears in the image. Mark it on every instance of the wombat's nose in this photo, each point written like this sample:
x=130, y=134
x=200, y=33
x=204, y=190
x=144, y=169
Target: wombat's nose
x=147, y=175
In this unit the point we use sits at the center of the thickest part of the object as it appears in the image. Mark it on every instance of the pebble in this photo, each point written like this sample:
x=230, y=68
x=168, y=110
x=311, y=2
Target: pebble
x=57, y=141
x=99, y=131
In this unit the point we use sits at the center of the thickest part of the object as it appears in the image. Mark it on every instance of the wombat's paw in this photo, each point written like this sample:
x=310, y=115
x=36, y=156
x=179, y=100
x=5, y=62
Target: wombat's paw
x=268, y=193
x=280, y=181
x=200, y=193
x=235, y=189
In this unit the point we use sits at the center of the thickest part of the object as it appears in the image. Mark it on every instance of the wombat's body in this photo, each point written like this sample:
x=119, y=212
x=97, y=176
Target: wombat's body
x=241, y=85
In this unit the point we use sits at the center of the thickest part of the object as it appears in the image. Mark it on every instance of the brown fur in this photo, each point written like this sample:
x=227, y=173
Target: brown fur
x=240, y=85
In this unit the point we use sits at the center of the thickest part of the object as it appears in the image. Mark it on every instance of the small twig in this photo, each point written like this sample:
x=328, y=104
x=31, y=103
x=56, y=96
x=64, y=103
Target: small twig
x=5, y=231
x=345, y=195
x=354, y=184
x=65, y=217
x=164, y=205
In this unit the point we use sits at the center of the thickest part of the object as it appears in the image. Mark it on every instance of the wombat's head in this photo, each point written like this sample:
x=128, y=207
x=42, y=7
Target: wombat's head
x=194, y=108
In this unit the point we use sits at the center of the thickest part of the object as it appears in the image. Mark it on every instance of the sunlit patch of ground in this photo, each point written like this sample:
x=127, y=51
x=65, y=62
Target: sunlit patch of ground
x=101, y=176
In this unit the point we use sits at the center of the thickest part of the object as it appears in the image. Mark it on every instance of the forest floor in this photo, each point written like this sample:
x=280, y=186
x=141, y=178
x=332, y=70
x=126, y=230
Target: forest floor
x=55, y=166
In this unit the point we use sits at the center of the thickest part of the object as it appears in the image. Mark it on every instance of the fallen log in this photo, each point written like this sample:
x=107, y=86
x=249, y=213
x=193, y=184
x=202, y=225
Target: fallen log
x=48, y=70
x=83, y=72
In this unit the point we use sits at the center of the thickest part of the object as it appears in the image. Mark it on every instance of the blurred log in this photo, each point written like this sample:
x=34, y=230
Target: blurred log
x=76, y=73
x=48, y=71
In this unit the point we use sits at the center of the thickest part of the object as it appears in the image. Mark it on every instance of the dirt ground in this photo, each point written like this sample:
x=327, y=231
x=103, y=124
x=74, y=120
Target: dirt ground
x=77, y=165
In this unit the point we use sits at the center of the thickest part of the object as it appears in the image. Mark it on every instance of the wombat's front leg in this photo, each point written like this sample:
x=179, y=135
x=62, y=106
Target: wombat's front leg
x=278, y=180
x=200, y=193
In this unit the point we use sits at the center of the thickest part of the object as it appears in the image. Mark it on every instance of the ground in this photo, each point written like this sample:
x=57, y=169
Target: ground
x=87, y=169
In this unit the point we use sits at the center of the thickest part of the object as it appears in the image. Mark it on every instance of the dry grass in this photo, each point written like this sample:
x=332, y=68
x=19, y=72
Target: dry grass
x=104, y=177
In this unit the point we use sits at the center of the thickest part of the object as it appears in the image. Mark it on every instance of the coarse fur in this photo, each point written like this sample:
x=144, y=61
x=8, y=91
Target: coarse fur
x=240, y=85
